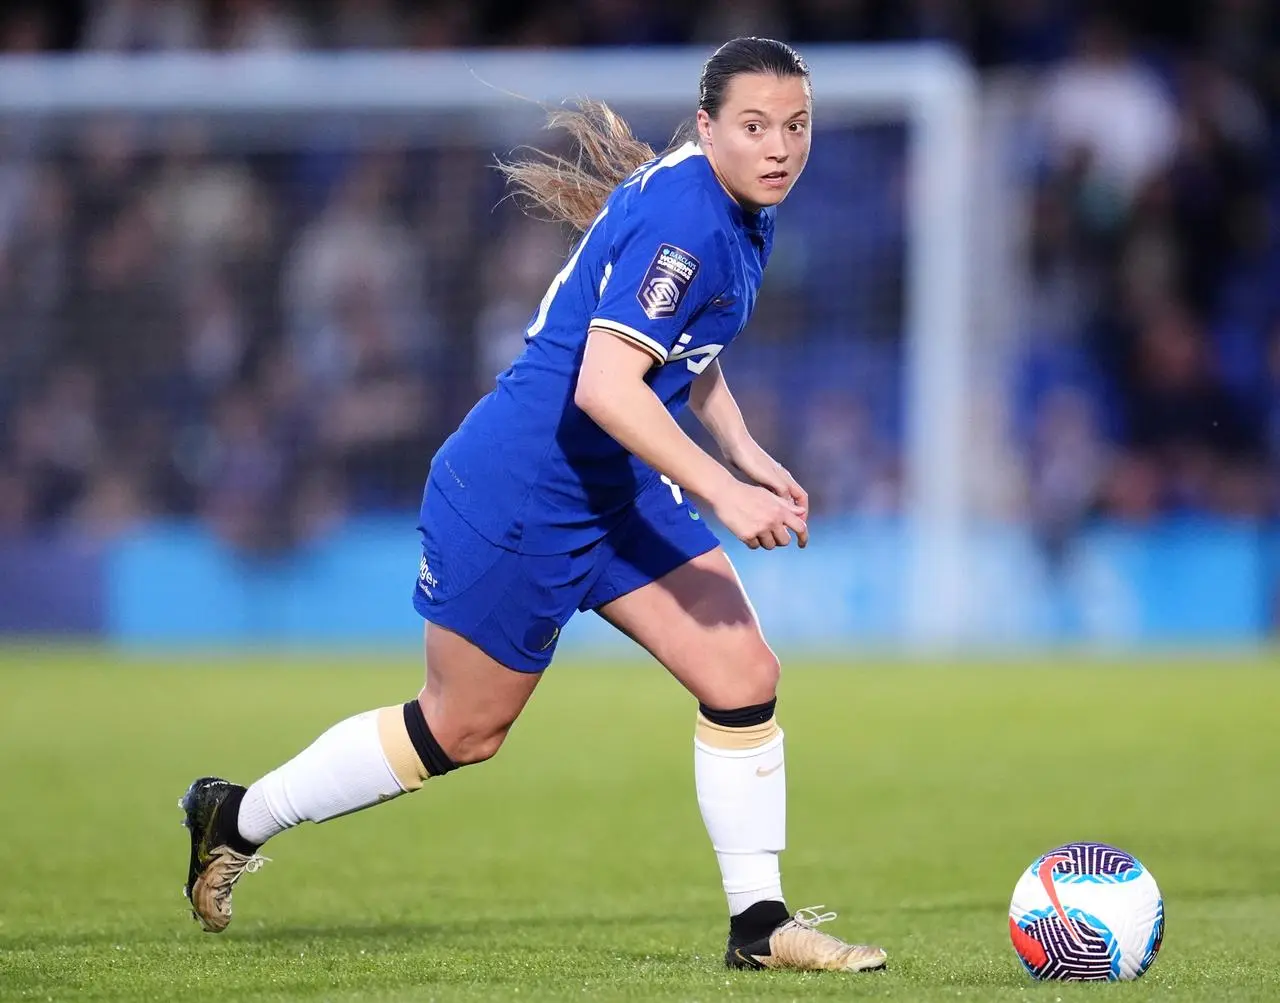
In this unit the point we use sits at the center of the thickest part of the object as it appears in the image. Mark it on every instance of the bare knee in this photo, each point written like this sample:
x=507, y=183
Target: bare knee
x=752, y=680
x=466, y=736
x=760, y=677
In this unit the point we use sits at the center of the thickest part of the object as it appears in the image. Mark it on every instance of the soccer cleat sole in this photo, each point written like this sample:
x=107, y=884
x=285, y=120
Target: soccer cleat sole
x=737, y=960
x=186, y=804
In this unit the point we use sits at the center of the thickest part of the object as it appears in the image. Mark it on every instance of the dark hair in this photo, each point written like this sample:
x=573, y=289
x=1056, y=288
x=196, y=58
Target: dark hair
x=606, y=150
x=746, y=55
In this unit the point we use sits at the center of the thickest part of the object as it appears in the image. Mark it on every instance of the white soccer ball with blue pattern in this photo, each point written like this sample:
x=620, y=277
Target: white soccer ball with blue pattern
x=1086, y=912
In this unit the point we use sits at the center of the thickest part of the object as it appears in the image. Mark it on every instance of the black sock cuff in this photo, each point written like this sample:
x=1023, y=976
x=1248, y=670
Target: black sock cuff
x=757, y=921
x=425, y=745
x=227, y=823
x=742, y=717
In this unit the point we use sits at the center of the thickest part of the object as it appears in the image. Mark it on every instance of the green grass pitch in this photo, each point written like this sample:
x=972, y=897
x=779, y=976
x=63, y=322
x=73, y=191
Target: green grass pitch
x=574, y=866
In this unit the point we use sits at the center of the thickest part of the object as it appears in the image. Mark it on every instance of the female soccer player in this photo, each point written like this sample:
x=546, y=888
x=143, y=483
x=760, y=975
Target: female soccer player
x=563, y=490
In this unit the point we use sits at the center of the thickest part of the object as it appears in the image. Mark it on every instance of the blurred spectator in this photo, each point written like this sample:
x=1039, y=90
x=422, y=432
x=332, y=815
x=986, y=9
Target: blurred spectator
x=452, y=25
x=258, y=26
x=33, y=268
x=143, y=25
x=355, y=247
x=244, y=476
x=1068, y=464
x=376, y=425
x=762, y=18
x=1179, y=416
x=25, y=28
x=112, y=505
x=207, y=210
x=1107, y=114
x=216, y=336
x=523, y=263
x=55, y=442
x=121, y=319
x=16, y=504
x=1271, y=416
x=364, y=24
x=844, y=468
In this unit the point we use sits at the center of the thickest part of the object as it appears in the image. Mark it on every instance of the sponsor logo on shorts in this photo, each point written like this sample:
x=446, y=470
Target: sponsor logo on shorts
x=426, y=580
x=666, y=282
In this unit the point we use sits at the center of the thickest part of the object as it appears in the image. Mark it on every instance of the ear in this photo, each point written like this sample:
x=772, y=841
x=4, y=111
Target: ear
x=704, y=126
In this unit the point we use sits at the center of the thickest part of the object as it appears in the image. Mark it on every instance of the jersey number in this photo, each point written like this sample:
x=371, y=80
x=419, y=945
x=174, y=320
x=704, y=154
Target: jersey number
x=562, y=276
x=697, y=359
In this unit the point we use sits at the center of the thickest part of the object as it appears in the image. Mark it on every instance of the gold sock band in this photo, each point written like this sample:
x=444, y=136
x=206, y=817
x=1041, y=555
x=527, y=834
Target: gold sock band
x=719, y=737
x=398, y=748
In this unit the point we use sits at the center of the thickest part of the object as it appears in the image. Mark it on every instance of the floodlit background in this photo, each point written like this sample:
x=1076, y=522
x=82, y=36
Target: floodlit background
x=230, y=339
x=1020, y=338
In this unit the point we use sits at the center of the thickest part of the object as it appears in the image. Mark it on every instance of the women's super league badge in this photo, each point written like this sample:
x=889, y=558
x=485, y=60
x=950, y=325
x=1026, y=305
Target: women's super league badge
x=666, y=281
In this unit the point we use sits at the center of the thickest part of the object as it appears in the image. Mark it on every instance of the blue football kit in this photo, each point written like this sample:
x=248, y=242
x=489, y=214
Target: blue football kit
x=531, y=511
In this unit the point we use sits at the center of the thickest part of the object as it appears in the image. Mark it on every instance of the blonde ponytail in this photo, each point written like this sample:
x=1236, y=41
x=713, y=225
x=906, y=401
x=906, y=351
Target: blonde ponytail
x=574, y=191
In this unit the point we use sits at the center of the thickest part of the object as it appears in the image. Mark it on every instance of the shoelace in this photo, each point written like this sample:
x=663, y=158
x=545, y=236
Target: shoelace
x=811, y=916
x=237, y=865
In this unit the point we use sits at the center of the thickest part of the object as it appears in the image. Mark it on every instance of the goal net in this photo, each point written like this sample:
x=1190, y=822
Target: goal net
x=257, y=292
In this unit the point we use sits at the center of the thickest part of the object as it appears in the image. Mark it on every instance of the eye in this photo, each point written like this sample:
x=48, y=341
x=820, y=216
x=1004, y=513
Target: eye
x=797, y=127
x=753, y=128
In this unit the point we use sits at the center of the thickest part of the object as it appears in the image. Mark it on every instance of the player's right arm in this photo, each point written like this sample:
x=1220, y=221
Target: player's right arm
x=668, y=262
x=612, y=392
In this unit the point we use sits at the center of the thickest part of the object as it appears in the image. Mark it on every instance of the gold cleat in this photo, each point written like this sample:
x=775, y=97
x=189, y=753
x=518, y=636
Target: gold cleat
x=210, y=893
x=798, y=945
x=215, y=865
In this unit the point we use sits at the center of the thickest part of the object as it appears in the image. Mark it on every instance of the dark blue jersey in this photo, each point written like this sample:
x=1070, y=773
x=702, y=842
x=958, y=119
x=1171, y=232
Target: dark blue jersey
x=673, y=264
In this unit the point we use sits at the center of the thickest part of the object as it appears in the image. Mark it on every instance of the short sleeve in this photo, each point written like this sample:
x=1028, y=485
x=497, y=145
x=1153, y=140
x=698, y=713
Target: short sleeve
x=664, y=269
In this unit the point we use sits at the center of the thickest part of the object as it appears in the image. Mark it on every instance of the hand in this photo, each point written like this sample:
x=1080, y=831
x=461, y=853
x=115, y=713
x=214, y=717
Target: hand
x=759, y=517
x=763, y=469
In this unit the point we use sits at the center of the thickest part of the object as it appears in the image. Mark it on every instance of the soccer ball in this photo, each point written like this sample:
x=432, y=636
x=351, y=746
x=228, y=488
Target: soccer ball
x=1086, y=912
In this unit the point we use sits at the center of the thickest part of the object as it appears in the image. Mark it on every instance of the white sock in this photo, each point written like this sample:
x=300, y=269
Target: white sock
x=742, y=792
x=347, y=768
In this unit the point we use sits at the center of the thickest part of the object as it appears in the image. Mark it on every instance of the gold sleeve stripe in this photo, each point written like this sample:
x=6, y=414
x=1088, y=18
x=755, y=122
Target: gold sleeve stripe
x=398, y=748
x=719, y=737
x=653, y=347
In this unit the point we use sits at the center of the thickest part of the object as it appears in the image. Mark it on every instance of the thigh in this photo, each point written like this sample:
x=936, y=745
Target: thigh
x=698, y=622
x=663, y=531
x=469, y=698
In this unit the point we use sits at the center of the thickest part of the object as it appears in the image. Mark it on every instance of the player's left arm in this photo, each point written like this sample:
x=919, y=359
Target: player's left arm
x=712, y=402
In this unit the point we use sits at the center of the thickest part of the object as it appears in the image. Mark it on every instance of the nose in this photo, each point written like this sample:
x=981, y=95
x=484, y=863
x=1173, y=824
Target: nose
x=777, y=149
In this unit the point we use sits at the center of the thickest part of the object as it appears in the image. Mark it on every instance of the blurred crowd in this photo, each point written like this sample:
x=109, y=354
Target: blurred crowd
x=277, y=339
x=1151, y=382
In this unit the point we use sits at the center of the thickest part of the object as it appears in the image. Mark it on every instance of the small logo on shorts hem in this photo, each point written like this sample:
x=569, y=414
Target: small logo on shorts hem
x=541, y=635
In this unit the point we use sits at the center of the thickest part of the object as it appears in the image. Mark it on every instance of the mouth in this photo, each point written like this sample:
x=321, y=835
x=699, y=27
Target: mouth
x=775, y=179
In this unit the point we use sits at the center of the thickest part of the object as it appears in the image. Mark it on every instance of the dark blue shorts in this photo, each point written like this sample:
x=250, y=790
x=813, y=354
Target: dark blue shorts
x=513, y=606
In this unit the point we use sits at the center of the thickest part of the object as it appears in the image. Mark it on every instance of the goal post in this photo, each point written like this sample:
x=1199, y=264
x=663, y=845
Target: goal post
x=932, y=91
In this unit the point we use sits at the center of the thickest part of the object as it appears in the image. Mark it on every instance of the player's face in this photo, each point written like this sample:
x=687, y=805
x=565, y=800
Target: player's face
x=759, y=140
